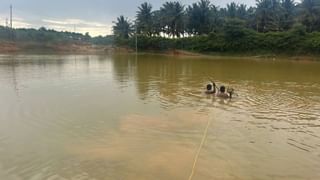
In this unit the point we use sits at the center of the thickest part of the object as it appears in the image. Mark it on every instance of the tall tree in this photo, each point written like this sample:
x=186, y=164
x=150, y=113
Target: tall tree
x=144, y=19
x=198, y=17
x=242, y=12
x=287, y=14
x=216, y=18
x=172, y=17
x=122, y=28
x=310, y=14
x=232, y=10
x=251, y=19
x=268, y=15
x=157, y=24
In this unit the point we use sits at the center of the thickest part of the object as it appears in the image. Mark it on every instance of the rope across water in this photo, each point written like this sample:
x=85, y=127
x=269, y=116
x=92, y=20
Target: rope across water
x=199, y=150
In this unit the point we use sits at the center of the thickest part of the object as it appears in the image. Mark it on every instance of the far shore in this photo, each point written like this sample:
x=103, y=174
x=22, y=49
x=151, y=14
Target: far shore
x=26, y=48
x=80, y=48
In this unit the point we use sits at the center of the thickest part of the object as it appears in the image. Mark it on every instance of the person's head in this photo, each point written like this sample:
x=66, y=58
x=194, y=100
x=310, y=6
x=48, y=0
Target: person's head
x=211, y=87
x=222, y=89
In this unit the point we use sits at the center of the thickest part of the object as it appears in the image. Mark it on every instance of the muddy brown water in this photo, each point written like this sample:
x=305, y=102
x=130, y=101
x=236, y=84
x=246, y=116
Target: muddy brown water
x=143, y=117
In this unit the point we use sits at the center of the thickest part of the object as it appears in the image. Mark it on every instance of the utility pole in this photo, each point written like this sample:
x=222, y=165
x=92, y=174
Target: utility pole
x=11, y=17
x=7, y=22
x=11, y=25
x=136, y=37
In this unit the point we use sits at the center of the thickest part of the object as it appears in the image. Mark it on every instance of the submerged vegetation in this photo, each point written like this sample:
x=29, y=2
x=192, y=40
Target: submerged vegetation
x=272, y=26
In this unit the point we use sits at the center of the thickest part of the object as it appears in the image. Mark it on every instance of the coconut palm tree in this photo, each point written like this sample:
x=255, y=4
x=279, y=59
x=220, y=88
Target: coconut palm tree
x=198, y=17
x=268, y=15
x=287, y=14
x=144, y=19
x=157, y=24
x=251, y=20
x=310, y=14
x=232, y=10
x=217, y=17
x=172, y=17
x=122, y=28
x=242, y=12
x=192, y=13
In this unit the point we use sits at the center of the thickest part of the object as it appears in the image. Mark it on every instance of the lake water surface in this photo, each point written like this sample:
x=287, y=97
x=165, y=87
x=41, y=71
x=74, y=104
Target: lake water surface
x=143, y=117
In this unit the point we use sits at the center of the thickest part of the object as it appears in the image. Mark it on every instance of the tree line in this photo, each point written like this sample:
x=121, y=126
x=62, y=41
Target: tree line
x=215, y=28
x=44, y=35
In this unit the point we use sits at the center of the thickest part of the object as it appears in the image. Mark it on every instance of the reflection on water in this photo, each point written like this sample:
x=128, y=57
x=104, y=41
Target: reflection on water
x=128, y=117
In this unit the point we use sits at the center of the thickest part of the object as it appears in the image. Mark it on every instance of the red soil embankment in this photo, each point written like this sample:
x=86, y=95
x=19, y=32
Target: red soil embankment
x=8, y=47
x=18, y=47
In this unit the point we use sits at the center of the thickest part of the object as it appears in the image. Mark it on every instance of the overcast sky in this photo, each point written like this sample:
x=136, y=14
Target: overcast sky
x=94, y=16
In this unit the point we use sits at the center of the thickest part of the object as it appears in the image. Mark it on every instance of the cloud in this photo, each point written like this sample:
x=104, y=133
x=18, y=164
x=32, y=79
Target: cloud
x=18, y=22
x=69, y=24
x=73, y=22
x=21, y=23
x=78, y=25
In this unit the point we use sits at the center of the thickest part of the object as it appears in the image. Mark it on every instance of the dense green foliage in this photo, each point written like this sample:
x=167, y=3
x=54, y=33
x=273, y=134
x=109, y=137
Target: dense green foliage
x=271, y=26
x=296, y=41
x=44, y=35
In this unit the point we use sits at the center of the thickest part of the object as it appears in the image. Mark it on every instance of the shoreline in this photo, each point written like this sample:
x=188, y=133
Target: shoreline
x=72, y=48
x=262, y=56
x=43, y=48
